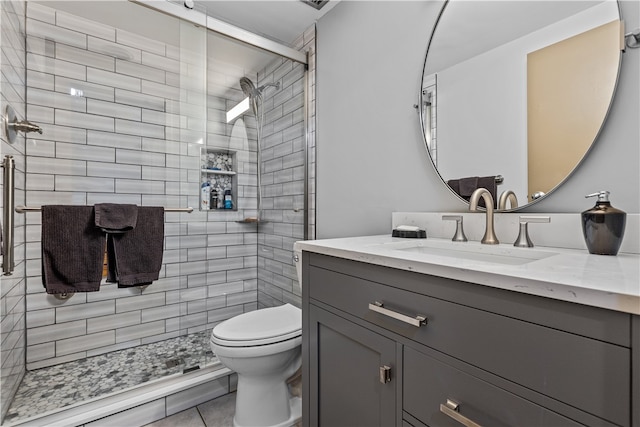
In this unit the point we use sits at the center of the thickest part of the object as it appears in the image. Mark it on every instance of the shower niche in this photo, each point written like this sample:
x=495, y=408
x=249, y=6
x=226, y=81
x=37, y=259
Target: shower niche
x=218, y=180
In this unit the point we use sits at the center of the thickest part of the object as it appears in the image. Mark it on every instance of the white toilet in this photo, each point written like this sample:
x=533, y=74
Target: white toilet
x=264, y=348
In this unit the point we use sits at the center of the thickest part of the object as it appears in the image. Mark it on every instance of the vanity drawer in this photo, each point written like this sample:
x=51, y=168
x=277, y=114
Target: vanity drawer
x=549, y=361
x=432, y=383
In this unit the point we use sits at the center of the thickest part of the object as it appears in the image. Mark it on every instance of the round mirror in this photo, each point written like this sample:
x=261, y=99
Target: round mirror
x=514, y=93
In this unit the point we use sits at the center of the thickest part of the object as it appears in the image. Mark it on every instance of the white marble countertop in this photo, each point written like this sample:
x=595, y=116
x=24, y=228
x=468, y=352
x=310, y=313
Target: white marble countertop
x=611, y=282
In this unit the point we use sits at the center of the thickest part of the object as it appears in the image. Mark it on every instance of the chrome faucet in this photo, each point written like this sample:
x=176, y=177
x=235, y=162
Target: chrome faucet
x=489, y=237
x=509, y=196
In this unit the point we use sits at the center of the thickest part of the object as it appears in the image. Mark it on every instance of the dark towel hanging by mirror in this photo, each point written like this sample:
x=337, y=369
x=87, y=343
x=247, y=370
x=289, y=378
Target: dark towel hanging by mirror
x=465, y=187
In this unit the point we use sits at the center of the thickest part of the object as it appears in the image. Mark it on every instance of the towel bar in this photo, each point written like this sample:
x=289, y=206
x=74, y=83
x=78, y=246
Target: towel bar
x=8, y=262
x=25, y=209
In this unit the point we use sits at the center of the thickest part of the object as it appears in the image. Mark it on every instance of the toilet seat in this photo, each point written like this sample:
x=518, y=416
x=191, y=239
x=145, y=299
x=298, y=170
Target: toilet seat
x=260, y=327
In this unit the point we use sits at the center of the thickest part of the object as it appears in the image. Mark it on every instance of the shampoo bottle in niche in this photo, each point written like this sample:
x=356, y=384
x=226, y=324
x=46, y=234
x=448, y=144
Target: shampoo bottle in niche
x=205, y=193
x=603, y=226
x=228, y=200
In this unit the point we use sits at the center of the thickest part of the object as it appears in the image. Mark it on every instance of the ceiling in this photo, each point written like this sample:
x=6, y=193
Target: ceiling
x=279, y=20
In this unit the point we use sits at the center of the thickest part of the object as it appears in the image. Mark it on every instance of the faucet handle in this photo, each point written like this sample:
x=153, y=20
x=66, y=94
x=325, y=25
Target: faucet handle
x=523, y=240
x=459, y=236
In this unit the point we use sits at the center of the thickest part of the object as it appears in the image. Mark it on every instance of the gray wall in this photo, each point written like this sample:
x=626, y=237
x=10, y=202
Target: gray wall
x=370, y=153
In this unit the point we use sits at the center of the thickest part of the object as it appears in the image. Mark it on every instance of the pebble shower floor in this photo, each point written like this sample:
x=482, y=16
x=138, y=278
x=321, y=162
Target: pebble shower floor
x=58, y=386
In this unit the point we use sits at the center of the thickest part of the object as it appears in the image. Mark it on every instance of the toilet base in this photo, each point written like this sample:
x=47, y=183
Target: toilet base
x=263, y=398
x=295, y=405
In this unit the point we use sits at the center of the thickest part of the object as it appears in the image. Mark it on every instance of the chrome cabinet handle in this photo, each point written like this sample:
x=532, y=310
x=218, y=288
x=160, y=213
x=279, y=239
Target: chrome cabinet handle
x=385, y=374
x=415, y=321
x=451, y=409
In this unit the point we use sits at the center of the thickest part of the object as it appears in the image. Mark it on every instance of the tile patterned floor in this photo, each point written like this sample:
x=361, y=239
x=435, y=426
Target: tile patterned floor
x=214, y=413
x=219, y=412
x=58, y=386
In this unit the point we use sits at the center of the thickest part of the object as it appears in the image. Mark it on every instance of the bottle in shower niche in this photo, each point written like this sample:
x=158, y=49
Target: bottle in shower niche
x=213, y=200
x=205, y=194
x=228, y=200
x=603, y=226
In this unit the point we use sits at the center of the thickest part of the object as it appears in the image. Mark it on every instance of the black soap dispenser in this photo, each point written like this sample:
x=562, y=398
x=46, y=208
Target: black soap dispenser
x=603, y=226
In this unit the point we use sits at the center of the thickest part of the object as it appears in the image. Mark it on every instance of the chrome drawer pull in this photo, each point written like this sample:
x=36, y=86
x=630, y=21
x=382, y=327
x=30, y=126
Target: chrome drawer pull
x=451, y=409
x=415, y=321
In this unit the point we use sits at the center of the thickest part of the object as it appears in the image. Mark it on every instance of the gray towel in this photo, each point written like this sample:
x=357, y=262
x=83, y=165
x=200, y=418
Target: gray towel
x=489, y=182
x=134, y=258
x=466, y=186
x=454, y=184
x=116, y=218
x=72, y=249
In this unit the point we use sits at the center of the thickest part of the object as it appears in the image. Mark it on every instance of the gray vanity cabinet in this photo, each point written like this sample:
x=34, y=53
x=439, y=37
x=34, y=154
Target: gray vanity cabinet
x=485, y=355
x=353, y=368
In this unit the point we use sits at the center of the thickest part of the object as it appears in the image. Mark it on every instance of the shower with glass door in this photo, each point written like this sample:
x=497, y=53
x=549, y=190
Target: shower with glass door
x=132, y=115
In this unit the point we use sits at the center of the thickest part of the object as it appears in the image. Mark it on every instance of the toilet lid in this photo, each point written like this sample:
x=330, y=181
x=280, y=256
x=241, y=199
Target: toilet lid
x=263, y=326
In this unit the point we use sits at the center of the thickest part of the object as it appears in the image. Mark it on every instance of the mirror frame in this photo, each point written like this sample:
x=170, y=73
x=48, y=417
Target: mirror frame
x=421, y=114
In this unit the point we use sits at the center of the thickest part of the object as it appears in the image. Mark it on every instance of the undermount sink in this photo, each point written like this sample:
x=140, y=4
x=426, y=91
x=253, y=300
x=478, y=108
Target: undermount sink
x=473, y=251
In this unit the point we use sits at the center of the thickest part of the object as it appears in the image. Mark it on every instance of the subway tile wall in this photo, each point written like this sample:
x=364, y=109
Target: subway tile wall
x=283, y=166
x=12, y=300
x=131, y=138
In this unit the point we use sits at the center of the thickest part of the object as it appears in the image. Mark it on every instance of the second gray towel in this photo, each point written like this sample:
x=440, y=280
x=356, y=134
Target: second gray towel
x=116, y=218
x=135, y=257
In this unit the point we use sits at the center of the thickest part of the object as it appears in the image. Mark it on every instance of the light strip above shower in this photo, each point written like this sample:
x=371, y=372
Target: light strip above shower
x=224, y=28
x=239, y=109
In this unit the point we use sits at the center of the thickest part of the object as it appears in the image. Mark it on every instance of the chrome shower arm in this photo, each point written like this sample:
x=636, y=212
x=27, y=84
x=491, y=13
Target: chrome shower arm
x=25, y=126
x=12, y=126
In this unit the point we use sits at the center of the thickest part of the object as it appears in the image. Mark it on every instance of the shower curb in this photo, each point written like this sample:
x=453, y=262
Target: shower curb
x=98, y=408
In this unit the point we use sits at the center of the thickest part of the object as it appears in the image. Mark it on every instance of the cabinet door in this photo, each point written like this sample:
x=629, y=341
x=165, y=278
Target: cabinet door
x=345, y=369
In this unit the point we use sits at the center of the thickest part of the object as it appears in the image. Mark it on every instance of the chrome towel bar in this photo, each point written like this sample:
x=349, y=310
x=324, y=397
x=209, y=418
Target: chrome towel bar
x=8, y=262
x=25, y=209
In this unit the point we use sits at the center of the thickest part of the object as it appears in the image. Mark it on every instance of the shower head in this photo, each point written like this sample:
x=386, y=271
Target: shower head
x=251, y=92
x=254, y=94
x=249, y=89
